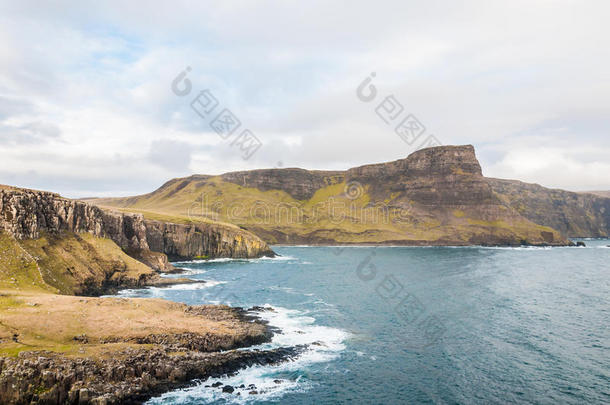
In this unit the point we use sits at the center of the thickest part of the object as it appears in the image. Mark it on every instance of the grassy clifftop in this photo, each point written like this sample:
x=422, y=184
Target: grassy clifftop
x=436, y=196
x=58, y=348
x=70, y=263
x=86, y=326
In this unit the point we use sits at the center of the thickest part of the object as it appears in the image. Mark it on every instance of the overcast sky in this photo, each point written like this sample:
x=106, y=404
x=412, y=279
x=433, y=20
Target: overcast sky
x=87, y=107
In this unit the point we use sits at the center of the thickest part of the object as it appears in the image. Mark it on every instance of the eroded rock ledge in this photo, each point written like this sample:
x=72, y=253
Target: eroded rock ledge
x=106, y=358
x=26, y=214
x=435, y=196
x=132, y=377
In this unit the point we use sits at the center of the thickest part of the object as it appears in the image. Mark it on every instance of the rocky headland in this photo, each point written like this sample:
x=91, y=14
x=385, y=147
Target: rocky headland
x=26, y=214
x=70, y=350
x=577, y=215
x=59, y=344
x=59, y=348
x=435, y=196
x=79, y=248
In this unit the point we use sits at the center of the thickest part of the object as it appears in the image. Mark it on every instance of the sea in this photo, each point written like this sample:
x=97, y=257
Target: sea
x=415, y=325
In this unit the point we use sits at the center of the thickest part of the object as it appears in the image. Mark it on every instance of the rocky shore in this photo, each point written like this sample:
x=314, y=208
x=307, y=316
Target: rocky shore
x=102, y=357
x=58, y=347
x=29, y=214
x=132, y=377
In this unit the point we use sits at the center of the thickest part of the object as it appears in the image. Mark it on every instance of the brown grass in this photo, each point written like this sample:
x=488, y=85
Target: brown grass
x=43, y=321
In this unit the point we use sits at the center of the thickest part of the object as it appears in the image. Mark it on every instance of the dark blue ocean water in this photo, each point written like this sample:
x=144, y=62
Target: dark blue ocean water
x=419, y=325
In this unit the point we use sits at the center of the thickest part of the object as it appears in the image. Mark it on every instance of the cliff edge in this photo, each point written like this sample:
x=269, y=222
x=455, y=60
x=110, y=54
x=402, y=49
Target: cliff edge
x=435, y=196
x=79, y=248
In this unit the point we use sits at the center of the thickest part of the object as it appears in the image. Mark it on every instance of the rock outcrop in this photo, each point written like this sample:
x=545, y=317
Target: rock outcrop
x=125, y=362
x=433, y=177
x=131, y=377
x=435, y=196
x=27, y=214
x=577, y=215
x=184, y=242
x=299, y=183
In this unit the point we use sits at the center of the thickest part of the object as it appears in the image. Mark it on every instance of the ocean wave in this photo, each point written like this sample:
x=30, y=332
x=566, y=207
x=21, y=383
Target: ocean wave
x=298, y=329
x=420, y=247
x=185, y=272
x=193, y=286
x=526, y=248
x=268, y=389
x=232, y=259
x=159, y=291
x=272, y=382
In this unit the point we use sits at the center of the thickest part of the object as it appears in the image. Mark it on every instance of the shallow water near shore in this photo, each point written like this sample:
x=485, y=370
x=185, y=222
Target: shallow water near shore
x=416, y=325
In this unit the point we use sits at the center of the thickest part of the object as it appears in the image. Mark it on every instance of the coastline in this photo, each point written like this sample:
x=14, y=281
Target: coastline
x=424, y=244
x=101, y=356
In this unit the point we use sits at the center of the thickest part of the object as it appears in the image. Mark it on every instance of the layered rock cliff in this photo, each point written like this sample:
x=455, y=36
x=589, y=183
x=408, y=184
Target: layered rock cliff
x=299, y=183
x=72, y=247
x=184, y=242
x=26, y=214
x=435, y=196
x=583, y=215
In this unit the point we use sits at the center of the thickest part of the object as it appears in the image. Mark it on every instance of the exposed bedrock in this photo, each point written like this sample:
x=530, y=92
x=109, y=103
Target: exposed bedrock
x=187, y=241
x=27, y=214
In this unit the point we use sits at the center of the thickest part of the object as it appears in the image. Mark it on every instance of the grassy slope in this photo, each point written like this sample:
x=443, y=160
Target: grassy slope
x=268, y=213
x=18, y=269
x=31, y=320
x=38, y=278
x=33, y=316
x=65, y=264
x=573, y=214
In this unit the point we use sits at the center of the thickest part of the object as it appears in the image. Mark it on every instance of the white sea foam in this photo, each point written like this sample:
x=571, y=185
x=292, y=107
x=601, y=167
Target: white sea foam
x=298, y=329
x=159, y=291
x=325, y=343
x=231, y=259
x=341, y=247
x=185, y=272
x=525, y=248
x=194, y=286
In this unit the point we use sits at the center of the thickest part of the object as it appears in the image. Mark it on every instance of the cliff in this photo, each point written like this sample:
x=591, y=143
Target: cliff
x=61, y=349
x=73, y=247
x=435, y=196
x=185, y=242
x=582, y=215
x=26, y=214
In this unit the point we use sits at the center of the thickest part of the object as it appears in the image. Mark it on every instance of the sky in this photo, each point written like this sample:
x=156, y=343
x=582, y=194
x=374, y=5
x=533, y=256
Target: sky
x=91, y=102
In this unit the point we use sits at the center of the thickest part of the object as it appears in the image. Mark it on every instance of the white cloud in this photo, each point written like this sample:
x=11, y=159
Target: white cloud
x=556, y=168
x=88, y=87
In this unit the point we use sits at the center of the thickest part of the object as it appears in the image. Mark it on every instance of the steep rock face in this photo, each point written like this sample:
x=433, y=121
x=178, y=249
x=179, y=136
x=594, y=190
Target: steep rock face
x=26, y=214
x=435, y=196
x=441, y=176
x=573, y=214
x=299, y=183
x=181, y=242
x=442, y=160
